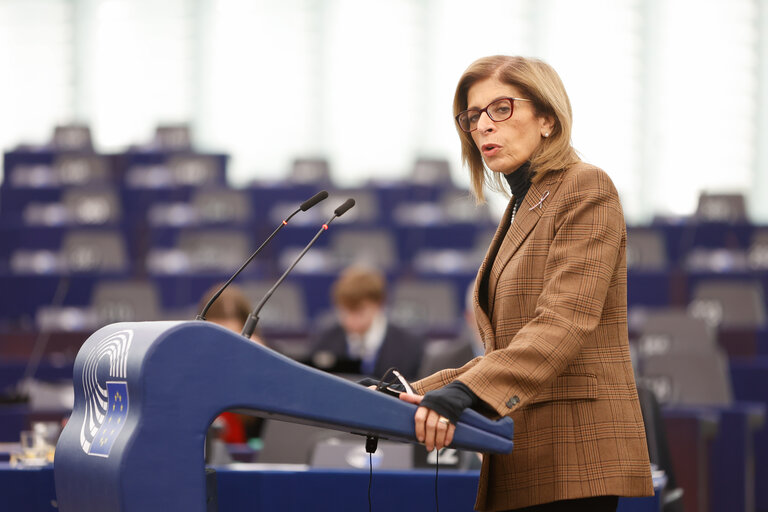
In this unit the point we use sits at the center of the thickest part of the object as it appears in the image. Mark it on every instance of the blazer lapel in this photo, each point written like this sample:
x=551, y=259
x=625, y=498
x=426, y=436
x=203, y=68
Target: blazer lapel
x=537, y=200
x=483, y=320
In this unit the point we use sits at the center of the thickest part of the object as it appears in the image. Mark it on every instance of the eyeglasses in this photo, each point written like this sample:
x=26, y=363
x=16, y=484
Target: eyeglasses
x=498, y=110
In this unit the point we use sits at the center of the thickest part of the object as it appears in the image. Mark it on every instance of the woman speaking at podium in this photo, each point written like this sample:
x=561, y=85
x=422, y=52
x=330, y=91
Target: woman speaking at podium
x=551, y=304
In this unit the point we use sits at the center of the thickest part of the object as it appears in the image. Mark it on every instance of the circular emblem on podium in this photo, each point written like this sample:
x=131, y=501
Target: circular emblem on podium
x=106, y=393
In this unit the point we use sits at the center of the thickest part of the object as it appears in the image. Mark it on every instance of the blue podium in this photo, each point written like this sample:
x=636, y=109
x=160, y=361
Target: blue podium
x=146, y=392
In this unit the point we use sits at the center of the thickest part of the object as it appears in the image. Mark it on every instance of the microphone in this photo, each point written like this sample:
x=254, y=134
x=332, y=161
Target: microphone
x=306, y=205
x=341, y=210
x=253, y=318
x=309, y=203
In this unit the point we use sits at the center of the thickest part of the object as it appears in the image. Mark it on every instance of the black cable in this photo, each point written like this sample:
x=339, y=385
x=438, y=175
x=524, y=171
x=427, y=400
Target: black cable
x=370, y=480
x=382, y=381
x=437, y=466
x=371, y=443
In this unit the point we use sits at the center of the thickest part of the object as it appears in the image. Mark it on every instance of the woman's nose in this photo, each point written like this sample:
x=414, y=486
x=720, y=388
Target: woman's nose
x=485, y=123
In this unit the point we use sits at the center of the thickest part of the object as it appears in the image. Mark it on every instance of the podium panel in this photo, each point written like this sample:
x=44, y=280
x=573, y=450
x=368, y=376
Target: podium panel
x=146, y=392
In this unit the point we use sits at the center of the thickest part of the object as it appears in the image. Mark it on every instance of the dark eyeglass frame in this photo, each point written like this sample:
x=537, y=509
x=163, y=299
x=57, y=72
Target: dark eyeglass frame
x=481, y=110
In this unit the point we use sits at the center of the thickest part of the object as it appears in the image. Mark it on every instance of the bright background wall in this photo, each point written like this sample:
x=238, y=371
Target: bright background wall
x=669, y=96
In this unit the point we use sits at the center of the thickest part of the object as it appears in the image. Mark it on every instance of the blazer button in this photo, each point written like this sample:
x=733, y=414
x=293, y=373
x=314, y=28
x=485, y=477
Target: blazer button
x=513, y=401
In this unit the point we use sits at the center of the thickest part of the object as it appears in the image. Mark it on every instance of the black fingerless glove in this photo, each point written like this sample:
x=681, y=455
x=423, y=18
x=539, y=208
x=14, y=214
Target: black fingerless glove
x=451, y=400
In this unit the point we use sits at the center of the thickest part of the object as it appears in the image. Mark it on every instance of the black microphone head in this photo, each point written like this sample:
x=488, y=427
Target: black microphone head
x=312, y=201
x=341, y=210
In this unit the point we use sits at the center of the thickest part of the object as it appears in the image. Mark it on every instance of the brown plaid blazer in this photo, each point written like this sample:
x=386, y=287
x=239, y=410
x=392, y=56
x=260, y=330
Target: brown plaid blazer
x=556, y=349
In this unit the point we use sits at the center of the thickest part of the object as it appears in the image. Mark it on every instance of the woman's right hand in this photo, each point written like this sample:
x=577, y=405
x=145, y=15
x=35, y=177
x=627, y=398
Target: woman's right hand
x=431, y=429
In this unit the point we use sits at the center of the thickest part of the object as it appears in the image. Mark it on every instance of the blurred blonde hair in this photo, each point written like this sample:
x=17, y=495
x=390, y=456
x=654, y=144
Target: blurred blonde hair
x=540, y=83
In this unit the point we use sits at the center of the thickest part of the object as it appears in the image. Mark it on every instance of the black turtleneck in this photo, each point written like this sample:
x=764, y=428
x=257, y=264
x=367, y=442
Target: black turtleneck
x=519, y=182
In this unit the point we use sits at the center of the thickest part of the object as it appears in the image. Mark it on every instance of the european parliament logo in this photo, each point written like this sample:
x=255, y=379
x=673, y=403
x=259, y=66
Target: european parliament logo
x=117, y=410
x=106, y=393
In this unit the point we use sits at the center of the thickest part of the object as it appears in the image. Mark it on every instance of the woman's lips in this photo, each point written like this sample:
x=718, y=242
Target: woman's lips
x=490, y=149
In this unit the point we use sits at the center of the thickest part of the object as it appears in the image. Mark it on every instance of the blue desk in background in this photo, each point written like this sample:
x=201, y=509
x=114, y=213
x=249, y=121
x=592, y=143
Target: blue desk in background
x=332, y=490
x=328, y=490
x=241, y=490
x=27, y=489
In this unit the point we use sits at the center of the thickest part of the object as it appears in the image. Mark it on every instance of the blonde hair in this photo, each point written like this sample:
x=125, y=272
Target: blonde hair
x=540, y=83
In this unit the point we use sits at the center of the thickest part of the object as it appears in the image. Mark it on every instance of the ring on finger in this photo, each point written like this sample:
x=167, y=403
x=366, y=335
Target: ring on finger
x=445, y=421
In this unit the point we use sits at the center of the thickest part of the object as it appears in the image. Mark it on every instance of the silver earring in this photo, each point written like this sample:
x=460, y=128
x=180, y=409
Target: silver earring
x=546, y=135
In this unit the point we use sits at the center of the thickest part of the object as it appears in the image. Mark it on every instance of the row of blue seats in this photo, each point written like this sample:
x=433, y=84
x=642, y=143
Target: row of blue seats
x=162, y=166
x=307, y=296
x=49, y=168
x=27, y=294
x=399, y=203
x=658, y=246
x=397, y=248
x=692, y=246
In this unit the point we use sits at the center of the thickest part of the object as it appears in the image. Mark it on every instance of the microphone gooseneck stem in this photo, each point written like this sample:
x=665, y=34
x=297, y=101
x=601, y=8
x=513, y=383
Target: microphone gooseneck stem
x=42, y=338
x=253, y=318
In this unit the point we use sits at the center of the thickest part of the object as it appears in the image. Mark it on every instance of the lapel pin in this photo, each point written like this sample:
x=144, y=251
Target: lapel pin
x=541, y=201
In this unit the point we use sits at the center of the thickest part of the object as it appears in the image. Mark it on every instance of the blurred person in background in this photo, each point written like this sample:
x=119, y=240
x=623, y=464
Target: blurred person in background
x=363, y=340
x=551, y=305
x=231, y=310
